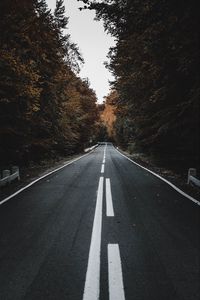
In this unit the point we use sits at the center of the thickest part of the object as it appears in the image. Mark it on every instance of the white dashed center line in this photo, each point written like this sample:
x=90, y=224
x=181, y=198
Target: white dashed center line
x=115, y=277
x=109, y=202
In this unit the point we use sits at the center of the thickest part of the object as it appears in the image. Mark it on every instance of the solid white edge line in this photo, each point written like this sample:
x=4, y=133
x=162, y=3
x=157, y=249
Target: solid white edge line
x=163, y=179
x=102, y=168
x=92, y=281
x=109, y=202
x=115, y=276
x=42, y=177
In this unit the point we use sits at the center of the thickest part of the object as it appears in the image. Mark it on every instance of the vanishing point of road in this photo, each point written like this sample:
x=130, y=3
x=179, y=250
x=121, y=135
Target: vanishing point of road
x=101, y=228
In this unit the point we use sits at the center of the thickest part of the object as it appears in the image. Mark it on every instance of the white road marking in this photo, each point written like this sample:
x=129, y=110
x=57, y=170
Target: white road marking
x=104, y=158
x=92, y=281
x=115, y=277
x=40, y=178
x=102, y=168
x=104, y=154
x=163, y=179
x=109, y=202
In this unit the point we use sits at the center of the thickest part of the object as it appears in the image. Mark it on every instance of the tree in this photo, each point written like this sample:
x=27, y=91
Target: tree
x=45, y=107
x=155, y=65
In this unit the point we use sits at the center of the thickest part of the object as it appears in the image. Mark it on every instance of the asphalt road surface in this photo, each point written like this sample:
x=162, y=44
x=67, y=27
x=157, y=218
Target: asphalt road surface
x=100, y=228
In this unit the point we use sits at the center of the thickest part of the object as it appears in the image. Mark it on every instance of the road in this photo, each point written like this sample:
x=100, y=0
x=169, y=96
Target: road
x=100, y=228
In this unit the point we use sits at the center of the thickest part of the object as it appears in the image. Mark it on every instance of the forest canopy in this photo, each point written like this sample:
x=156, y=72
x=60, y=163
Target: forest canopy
x=156, y=67
x=45, y=107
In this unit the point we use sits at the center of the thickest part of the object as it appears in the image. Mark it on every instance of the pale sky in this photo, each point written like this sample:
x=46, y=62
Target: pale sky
x=93, y=43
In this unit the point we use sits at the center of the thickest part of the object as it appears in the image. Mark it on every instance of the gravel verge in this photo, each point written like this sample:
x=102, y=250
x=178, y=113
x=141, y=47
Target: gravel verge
x=177, y=178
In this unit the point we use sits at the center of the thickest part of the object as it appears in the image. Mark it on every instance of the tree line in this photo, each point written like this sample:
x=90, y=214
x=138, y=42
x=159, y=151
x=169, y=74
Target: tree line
x=46, y=109
x=156, y=67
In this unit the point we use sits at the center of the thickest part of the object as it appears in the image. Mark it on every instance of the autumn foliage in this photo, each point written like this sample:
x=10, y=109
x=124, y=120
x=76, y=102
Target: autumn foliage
x=156, y=67
x=45, y=107
x=108, y=114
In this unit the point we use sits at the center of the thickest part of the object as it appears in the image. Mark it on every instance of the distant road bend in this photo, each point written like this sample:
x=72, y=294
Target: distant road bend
x=102, y=228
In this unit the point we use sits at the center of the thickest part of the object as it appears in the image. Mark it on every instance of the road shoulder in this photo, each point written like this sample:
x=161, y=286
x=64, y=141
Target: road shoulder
x=177, y=179
x=35, y=171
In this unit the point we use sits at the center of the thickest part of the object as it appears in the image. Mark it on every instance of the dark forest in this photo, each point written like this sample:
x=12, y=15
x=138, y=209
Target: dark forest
x=47, y=109
x=156, y=67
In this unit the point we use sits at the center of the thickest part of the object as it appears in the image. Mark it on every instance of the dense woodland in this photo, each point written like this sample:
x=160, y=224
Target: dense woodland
x=46, y=109
x=108, y=114
x=156, y=67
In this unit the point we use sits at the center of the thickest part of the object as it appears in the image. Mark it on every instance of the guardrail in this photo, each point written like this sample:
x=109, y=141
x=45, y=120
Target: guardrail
x=9, y=175
x=91, y=148
x=192, y=172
